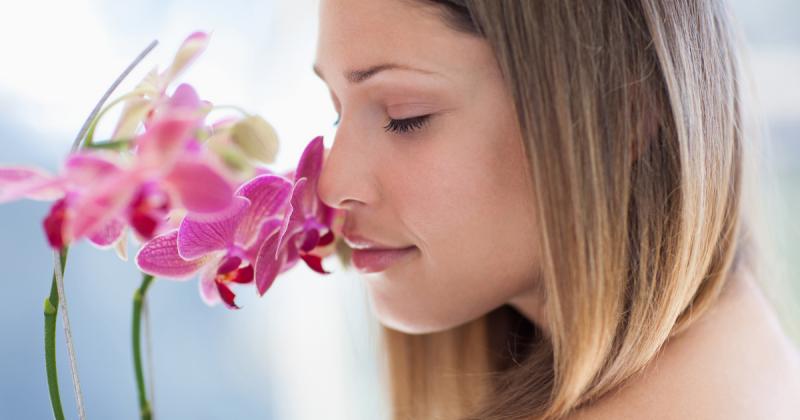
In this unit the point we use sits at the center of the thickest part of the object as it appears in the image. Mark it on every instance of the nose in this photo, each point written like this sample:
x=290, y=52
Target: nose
x=346, y=179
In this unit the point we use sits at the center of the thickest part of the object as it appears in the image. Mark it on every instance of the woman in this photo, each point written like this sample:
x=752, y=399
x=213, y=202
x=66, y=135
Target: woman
x=545, y=199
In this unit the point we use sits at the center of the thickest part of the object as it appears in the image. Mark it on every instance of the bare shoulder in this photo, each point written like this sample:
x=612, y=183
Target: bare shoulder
x=733, y=363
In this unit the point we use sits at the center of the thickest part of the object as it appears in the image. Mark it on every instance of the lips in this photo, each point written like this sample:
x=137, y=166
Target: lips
x=356, y=241
x=375, y=260
x=370, y=256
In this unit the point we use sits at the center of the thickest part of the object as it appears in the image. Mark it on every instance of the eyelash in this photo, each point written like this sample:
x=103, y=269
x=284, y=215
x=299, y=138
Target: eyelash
x=407, y=124
x=401, y=126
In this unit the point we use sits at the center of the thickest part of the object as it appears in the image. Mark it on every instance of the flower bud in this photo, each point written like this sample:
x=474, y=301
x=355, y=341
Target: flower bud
x=256, y=138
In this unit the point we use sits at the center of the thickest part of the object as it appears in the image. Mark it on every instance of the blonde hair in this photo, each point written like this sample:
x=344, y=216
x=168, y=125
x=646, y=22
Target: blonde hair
x=630, y=114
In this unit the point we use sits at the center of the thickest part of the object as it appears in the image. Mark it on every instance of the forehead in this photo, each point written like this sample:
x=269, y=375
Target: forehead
x=363, y=33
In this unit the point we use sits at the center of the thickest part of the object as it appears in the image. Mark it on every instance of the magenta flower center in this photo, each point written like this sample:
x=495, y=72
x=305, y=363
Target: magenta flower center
x=149, y=209
x=230, y=271
x=54, y=224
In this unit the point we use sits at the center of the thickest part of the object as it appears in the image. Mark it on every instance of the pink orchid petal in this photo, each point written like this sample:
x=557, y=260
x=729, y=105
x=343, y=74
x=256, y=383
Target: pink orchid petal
x=199, y=187
x=82, y=169
x=327, y=214
x=18, y=182
x=164, y=140
x=105, y=201
x=190, y=49
x=160, y=257
x=310, y=240
x=208, y=286
x=269, y=195
x=293, y=221
x=197, y=237
x=267, y=229
x=106, y=235
x=21, y=174
x=292, y=257
x=184, y=97
x=229, y=263
x=299, y=215
x=268, y=263
x=309, y=167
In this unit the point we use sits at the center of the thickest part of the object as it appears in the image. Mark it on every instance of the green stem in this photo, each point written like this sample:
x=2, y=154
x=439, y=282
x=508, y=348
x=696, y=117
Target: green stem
x=56, y=290
x=138, y=300
x=50, y=312
x=79, y=138
x=121, y=144
x=89, y=141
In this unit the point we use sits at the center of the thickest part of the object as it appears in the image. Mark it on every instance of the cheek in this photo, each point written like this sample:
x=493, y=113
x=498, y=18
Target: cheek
x=468, y=209
x=467, y=196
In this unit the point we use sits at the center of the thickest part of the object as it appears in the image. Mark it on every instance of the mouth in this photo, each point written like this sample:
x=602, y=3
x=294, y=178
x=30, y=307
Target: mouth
x=373, y=260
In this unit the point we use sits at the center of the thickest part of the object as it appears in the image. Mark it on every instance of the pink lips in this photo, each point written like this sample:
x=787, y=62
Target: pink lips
x=375, y=260
x=370, y=257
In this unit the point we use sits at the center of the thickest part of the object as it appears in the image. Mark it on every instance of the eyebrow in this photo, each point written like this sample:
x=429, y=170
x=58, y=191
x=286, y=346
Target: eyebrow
x=358, y=76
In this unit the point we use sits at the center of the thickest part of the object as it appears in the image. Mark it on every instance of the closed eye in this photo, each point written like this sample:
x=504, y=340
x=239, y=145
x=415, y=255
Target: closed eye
x=400, y=126
x=406, y=125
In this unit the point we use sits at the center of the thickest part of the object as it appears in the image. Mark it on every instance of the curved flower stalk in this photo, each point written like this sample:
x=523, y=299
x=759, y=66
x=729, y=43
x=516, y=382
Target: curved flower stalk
x=240, y=143
x=193, y=191
x=98, y=194
x=57, y=297
x=142, y=102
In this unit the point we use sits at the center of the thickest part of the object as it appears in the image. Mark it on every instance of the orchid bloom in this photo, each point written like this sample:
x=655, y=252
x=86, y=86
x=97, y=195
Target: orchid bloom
x=168, y=170
x=150, y=92
x=305, y=220
x=99, y=194
x=78, y=173
x=274, y=222
x=223, y=247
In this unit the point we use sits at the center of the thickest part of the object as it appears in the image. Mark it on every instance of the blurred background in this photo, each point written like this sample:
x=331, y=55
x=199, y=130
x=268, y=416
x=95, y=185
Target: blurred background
x=307, y=349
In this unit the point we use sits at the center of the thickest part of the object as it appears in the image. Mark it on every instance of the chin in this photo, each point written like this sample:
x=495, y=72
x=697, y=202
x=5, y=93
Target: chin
x=410, y=328
x=408, y=322
x=401, y=309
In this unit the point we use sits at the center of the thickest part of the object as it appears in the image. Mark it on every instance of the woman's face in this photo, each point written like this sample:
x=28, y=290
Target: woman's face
x=454, y=187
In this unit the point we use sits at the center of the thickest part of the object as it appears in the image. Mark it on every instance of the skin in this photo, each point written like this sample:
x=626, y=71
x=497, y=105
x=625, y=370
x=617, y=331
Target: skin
x=734, y=363
x=451, y=188
x=457, y=185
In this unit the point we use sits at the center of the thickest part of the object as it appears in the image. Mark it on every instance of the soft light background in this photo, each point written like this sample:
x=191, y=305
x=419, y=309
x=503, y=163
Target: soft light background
x=306, y=350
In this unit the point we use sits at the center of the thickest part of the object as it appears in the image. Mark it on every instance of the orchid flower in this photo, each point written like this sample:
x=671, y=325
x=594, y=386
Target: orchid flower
x=305, y=220
x=149, y=93
x=274, y=222
x=169, y=170
x=223, y=247
x=77, y=174
x=99, y=193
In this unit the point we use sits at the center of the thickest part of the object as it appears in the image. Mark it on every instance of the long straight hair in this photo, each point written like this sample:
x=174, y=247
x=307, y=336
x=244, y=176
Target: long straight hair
x=630, y=114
